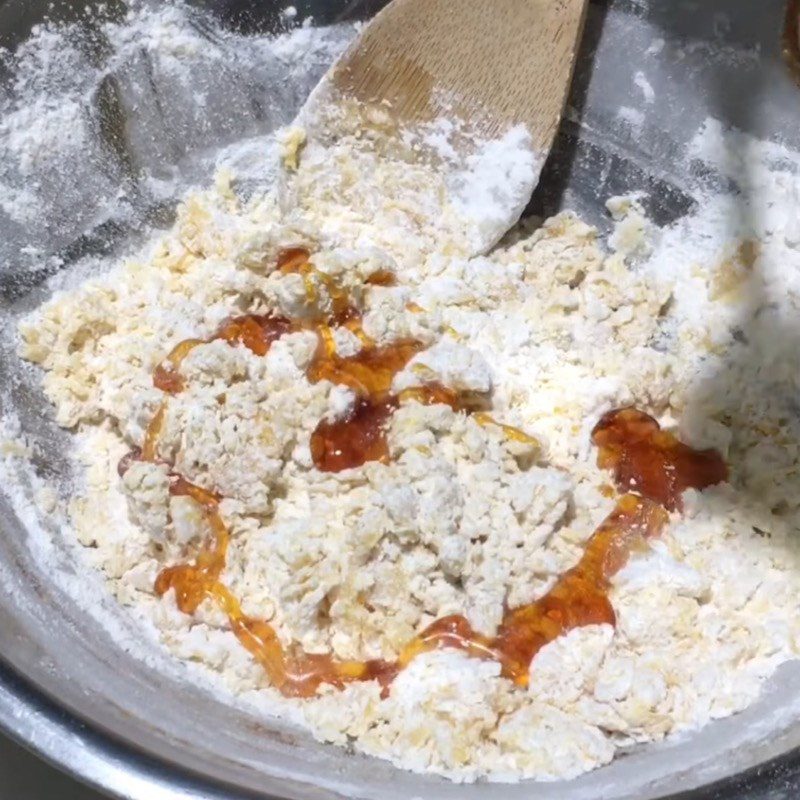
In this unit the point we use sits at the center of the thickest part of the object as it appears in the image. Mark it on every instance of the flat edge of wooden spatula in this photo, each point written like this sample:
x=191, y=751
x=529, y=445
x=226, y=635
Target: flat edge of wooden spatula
x=491, y=64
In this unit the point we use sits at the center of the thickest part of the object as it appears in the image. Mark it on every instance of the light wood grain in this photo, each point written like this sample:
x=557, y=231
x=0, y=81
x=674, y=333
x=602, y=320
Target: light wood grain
x=494, y=63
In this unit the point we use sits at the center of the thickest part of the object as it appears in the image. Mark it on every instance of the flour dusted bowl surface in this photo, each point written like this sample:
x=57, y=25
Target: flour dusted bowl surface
x=85, y=693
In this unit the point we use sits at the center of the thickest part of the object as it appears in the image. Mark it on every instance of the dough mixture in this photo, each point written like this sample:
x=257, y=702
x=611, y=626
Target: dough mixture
x=344, y=461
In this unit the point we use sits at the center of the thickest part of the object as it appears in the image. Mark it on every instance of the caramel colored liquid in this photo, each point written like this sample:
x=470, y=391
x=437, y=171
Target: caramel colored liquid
x=255, y=332
x=354, y=440
x=652, y=462
x=515, y=434
x=297, y=261
x=150, y=444
x=361, y=436
x=166, y=376
x=382, y=277
x=369, y=373
x=293, y=672
x=641, y=456
x=579, y=598
x=292, y=258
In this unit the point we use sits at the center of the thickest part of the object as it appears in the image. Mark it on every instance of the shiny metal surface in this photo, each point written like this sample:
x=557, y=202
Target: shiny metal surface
x=142, y=729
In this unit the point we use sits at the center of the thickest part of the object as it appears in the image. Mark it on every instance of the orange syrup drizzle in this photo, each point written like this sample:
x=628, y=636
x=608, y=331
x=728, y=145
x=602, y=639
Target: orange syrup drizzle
x=631, y=445
x=515, y=434
x=152, y=434
x=258, y=332
x=656, y=464
x=579, y=598
x=293, y=672
x=255, y=332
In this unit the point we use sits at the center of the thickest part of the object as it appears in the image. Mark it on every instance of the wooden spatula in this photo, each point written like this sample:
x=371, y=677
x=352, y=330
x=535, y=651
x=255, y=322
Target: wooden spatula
x=495, y=63
x=485, y=67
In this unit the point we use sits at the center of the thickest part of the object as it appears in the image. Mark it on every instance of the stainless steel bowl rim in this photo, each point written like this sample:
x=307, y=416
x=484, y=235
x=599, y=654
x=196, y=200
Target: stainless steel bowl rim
x=121, y=771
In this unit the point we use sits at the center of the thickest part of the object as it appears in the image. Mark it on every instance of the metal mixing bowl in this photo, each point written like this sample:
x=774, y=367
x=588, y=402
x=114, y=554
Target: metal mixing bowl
x=139, y=729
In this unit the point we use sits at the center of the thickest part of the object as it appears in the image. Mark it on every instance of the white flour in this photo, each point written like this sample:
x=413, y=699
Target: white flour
x=681, y=322
x=495, y=185
x=103, y=125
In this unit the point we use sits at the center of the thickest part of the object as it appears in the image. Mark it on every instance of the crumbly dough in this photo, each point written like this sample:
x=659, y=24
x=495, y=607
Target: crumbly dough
x=463, y=519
